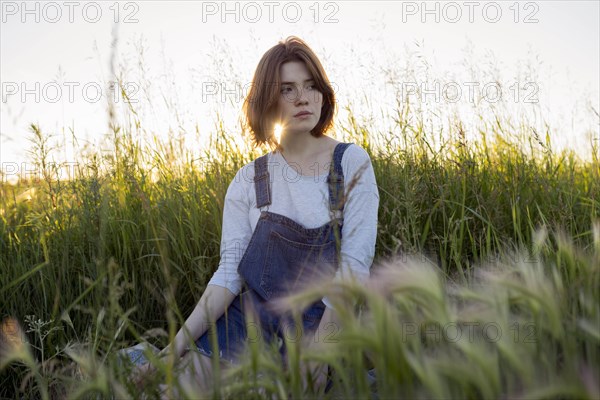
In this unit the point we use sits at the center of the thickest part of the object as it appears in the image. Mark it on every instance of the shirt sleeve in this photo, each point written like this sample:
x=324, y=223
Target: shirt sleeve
x=359, y=230
x=235, y=235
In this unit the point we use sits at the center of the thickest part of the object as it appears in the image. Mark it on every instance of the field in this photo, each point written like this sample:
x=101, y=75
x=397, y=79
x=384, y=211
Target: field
x=486, y=280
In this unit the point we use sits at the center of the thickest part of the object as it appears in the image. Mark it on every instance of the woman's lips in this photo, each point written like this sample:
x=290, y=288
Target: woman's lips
x=303, y=114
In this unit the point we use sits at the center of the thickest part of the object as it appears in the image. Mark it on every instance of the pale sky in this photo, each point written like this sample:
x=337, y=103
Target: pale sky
x=356, y=41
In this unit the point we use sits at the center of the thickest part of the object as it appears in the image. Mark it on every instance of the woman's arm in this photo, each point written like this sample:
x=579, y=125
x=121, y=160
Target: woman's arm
x=225, y=283
x=212, y=305
x=359, y=231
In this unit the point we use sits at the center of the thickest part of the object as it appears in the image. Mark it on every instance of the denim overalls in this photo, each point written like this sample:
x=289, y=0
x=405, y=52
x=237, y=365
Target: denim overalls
x=280, y=256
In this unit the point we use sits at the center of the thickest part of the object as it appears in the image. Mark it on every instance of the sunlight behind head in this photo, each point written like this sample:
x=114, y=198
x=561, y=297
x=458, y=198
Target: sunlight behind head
x=278, y=130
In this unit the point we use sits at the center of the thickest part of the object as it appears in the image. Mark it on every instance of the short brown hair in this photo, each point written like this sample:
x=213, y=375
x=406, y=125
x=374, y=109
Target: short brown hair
x=261, y=102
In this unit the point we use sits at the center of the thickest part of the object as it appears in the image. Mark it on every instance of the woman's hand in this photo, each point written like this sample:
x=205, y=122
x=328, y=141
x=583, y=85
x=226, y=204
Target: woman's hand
x=141, y=373
x=315, y=373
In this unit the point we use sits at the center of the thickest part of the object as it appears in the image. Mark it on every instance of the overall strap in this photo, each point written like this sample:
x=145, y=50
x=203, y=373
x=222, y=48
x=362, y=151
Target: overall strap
x=261, y=182
x=335, y=179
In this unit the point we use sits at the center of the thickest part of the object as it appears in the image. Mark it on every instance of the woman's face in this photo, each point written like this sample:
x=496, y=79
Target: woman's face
x=299, y=101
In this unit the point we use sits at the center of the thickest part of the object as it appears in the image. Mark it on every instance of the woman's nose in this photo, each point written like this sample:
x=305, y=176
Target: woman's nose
x=302, y=97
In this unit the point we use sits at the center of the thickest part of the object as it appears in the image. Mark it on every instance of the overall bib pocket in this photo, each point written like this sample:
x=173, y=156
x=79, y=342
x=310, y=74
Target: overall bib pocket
x=290, y=264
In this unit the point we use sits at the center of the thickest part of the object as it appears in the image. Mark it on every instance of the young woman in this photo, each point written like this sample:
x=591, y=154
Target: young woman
x=285, y=214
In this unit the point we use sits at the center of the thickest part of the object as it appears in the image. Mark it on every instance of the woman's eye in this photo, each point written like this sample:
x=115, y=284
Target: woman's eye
x=286, y=90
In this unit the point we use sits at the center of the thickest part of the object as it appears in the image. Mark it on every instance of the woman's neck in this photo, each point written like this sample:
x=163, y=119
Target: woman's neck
x=300, y=146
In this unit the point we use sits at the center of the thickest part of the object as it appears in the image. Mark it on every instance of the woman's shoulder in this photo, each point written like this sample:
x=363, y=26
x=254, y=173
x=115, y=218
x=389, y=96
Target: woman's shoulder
x=245, y=174
x=358, y=168
x=354, y=158
x=355, y=152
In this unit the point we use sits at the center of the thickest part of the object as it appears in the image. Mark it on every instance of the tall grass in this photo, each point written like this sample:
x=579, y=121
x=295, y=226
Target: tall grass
x=500, y=234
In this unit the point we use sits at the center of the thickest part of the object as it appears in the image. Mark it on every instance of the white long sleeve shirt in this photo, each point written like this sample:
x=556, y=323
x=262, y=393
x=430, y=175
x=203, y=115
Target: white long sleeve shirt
x=304, y=199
